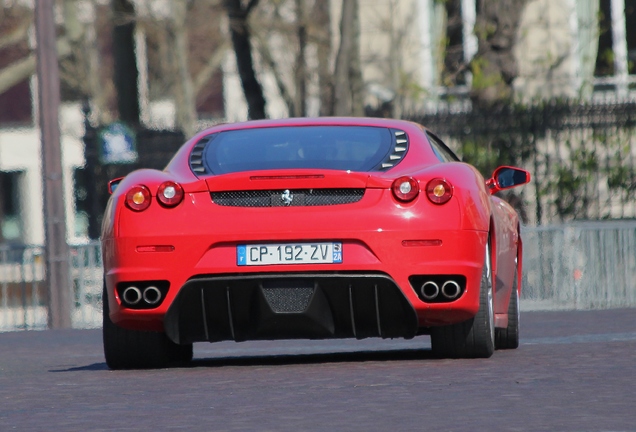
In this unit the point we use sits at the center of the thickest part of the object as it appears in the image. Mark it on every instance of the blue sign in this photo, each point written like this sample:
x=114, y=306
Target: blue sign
x=117, y=144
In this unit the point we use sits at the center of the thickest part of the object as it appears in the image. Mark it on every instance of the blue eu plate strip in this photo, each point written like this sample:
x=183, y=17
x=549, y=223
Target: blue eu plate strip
x=241, y=255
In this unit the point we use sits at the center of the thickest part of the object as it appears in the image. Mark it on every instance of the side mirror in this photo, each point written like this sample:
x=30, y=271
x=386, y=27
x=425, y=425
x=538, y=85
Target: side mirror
x=112, y=185
x=506, y=177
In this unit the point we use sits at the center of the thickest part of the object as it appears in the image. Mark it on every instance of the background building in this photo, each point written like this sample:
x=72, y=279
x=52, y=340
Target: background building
x=415, y=57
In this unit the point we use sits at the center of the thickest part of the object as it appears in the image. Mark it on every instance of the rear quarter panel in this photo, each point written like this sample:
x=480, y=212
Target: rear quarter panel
x=507, y=240
x=469, y=192
x=480, y=211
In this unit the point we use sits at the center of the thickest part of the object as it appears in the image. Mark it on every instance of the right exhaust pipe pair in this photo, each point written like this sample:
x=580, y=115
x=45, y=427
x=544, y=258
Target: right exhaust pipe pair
x=431, y=290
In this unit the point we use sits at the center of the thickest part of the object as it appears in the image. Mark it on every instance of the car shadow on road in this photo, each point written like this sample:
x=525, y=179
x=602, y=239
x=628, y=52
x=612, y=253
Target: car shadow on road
x=91, y=367
x=287, y=359
x=291, y=359
x=332, y=357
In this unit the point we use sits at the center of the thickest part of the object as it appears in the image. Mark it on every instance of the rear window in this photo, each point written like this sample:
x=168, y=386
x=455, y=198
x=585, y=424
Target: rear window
x=355, y=148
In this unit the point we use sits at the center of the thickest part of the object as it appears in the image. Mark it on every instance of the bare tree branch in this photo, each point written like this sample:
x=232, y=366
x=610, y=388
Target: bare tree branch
x=24, y=68
x=213, y=64
x=268, y=59
x=16, y=36
x=251, y=5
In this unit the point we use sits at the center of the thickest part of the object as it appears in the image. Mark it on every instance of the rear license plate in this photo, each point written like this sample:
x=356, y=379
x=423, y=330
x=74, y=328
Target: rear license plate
x=289, y=253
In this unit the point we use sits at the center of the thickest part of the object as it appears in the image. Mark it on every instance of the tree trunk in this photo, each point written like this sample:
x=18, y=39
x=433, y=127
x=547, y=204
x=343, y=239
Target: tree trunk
x=348, y=83
x=301, y=70
x=454, y=56
x=4, y=197
x=494, y=67
x=126, y=73
x=355, y=68
x=100, y=92
x=240, y=33
x=186, y=115
x=83, y=39
x=395, y=64
x=322, y=20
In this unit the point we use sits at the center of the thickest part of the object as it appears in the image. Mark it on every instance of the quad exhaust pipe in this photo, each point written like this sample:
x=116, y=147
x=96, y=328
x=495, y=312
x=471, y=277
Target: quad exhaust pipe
x=132, y=295
x=152, y=295
x=450, y=290
x=429, y=290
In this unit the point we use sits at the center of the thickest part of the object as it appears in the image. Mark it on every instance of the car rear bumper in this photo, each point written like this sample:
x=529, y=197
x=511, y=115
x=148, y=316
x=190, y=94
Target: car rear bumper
x=376, y=266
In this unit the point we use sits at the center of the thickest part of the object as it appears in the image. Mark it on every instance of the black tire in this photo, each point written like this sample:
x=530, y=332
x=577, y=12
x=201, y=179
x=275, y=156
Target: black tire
x=508, y=338
x=474, y=338
x=134, y=349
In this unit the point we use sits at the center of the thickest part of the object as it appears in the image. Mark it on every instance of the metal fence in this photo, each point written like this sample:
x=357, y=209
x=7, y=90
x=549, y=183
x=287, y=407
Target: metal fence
x=575, y=266
x=23, y=295
x=587, y=265
x=582, y=156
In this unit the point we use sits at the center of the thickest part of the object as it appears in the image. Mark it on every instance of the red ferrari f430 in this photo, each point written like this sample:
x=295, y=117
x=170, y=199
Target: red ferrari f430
x=314, y=229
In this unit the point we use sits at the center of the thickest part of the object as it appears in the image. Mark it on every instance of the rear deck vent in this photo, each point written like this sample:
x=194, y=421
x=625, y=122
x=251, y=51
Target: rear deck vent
x=400, y=147
x=196, y=158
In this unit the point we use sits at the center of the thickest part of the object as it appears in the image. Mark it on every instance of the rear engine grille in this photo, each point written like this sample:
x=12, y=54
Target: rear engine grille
x=291, y=198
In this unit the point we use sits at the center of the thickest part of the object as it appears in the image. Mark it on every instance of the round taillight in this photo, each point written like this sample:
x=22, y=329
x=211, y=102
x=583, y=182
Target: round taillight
x=405, y=189
x=138, y=198
x=439, y=191
x=170, y=194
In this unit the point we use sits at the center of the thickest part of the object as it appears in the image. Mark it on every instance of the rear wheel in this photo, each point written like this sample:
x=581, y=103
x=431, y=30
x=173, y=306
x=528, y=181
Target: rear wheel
x=508, y=338
x=474, y=338
x=134, y=349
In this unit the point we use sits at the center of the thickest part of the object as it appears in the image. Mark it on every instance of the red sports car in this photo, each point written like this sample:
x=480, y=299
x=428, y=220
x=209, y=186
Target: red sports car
x=310, y=228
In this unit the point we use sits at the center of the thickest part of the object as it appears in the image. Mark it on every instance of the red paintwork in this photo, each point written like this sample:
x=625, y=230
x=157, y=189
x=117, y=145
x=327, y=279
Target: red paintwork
x=205, y=235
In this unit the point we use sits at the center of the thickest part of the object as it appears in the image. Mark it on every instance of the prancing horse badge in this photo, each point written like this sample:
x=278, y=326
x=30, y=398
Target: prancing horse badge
x=287, y=197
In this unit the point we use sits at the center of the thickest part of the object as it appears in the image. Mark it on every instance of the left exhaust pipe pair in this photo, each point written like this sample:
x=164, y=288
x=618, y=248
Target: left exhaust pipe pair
x=133, y=295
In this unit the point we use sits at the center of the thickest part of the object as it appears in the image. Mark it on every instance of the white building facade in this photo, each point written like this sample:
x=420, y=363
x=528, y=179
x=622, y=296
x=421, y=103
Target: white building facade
x=20, y=163
x=560, y=53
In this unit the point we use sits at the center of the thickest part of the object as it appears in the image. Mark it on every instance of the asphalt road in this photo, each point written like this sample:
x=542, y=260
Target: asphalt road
x=575, y=371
